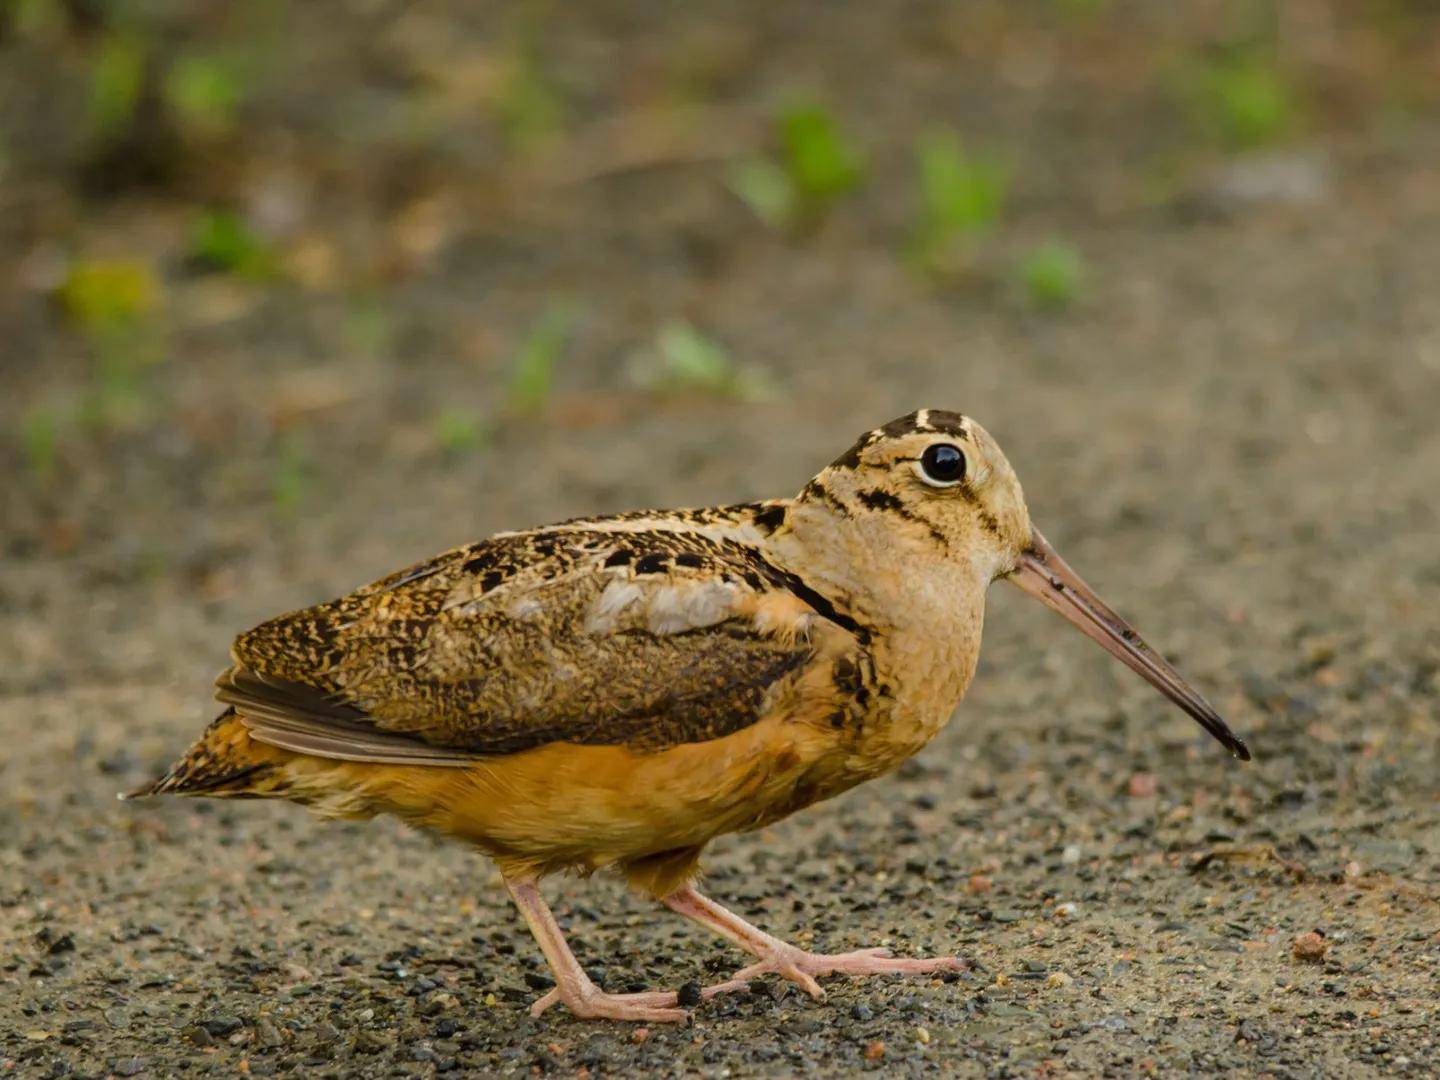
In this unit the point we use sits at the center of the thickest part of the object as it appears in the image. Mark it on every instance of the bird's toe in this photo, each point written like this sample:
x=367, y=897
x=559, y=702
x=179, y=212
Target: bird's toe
x=592, y=1003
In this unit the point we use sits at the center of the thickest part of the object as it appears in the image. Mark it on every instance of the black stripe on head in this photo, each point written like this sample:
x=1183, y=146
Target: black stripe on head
x=902, y=425
x=987, y=519
x=884, y=501
x=927, y=421
x=815, y=491
x=850, y=459
x=946, y=423
x=876, y=499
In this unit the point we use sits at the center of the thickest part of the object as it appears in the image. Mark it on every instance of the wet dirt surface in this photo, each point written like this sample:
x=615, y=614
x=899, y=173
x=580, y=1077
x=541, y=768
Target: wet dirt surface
x=1232, y=436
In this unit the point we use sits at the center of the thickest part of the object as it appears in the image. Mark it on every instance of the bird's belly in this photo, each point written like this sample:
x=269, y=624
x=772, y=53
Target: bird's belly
x=566, y=805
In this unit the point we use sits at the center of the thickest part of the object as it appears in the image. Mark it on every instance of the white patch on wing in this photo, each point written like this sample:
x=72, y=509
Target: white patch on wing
x=661, y=608
x=610, y=605
x=784, y=624
x=688, y=605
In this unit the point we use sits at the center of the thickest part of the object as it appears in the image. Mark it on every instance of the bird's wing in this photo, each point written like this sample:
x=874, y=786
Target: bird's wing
x=639, y=637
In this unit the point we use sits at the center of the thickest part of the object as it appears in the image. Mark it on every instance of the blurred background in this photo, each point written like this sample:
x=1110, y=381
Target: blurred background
x=292, y=294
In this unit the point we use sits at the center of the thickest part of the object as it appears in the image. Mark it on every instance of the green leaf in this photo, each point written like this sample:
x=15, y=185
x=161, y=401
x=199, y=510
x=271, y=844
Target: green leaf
x=766, y=189
x=459, y=431
x=117, y=77
x=205, y=93
x=530, y=106
x=532, y=377
x=962, y=193
x=692, y=359
x=1053, y=275
x=686, y=360
x=40, y=441
x=1246, y=100
x=220, y=239
x=821, y=164
x=290, y=475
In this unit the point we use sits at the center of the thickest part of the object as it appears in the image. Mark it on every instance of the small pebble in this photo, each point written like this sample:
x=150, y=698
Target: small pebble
x=196, y=1035
x=1066, y=911
x=1143, y=785
x=689, y=995
x=266, y=1033
x=875, y=1050
x=1058, y=980
x=923, y=1034
x=1310, y=947
x=221, y=1025
x=978, y=884
x=1071, y=855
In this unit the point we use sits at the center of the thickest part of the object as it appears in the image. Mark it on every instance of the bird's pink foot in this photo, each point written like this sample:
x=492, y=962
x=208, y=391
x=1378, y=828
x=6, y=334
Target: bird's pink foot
x=588, y=1002
x=573, y=987
x=804, y=968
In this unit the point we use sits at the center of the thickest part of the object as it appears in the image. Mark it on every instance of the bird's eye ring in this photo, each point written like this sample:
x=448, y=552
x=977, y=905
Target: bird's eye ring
x=942, y=465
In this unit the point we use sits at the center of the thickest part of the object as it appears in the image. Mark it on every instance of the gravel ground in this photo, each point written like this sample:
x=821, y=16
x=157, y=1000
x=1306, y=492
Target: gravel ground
x=1232, y=436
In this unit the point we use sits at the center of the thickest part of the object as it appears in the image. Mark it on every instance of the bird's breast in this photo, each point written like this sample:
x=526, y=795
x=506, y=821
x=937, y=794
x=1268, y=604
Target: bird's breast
x=924, y=669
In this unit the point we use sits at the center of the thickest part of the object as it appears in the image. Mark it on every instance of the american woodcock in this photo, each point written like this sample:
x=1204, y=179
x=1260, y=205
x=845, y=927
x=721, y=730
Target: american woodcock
x=618, y=691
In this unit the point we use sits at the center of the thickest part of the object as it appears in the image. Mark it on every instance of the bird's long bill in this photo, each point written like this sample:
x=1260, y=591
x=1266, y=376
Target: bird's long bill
x=1046, y=576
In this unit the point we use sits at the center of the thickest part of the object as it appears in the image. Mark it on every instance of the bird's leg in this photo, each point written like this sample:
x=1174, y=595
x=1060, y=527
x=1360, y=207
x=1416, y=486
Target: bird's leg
x=787, y=960
x=572, y=985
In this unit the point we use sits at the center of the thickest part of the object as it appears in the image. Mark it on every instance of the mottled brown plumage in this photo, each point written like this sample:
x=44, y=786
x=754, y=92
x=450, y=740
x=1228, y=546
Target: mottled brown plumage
x=618, y=691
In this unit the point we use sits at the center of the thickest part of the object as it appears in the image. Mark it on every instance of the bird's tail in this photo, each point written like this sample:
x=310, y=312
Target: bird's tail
x=224, y=762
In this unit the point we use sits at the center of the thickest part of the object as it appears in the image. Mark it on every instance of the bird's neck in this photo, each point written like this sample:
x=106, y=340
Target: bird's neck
x=924, y=613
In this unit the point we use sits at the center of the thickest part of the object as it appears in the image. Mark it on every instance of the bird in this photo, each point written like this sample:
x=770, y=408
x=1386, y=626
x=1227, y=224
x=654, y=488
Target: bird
x=615, y=692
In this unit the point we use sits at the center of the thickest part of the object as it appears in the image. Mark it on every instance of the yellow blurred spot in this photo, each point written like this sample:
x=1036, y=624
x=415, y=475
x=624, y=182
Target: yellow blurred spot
x=105, y=294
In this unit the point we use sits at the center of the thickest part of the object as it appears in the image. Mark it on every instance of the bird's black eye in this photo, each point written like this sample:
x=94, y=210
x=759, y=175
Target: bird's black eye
x=942, y=465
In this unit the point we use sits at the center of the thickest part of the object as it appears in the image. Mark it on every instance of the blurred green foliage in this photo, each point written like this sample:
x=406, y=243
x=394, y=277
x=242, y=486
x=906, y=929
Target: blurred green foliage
x=33, y=18
x=1243, y=99
x=686, y=360
x=369, y=328
x=530, y=106
x=533, y=376
x=40, y=442
x=291, y=472
x=221, y=240
x=459, y=431
x=117, y=78
x=765, y=188
x=820, y=161
x=817, y=166
x=113, y=304
x=1052, y=276
x=962, y=196
x=205, y=92
x=1080, y=10
x=109, y=295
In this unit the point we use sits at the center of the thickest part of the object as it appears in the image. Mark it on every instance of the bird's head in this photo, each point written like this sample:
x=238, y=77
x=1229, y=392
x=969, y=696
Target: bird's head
x=940, y=483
